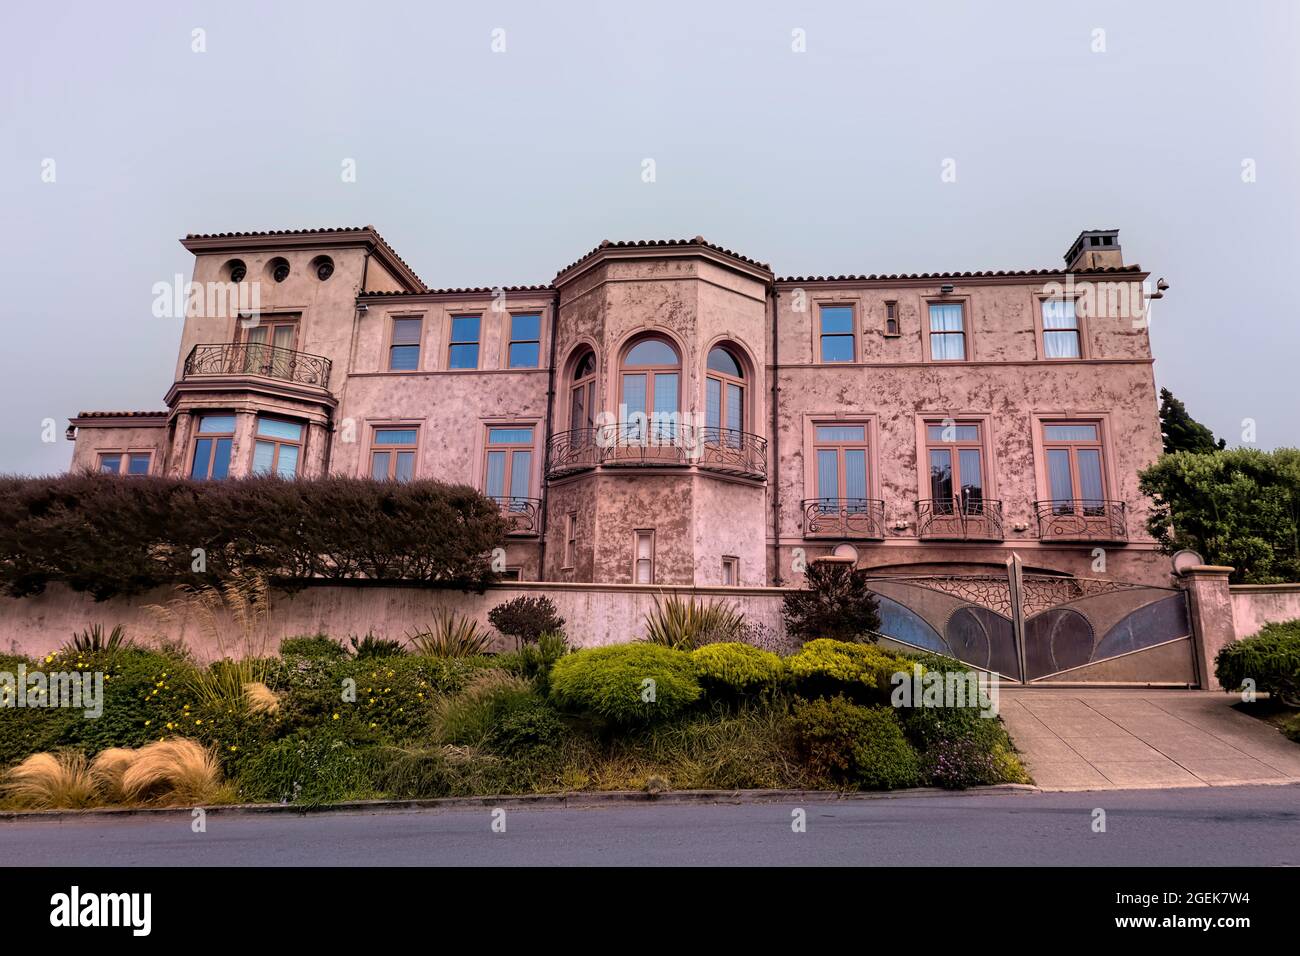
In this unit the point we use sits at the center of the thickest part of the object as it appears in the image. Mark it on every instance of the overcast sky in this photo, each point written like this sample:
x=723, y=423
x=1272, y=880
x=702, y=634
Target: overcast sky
x=486, y=168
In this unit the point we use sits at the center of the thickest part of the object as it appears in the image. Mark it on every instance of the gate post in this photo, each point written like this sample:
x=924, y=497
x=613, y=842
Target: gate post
x=1210, y=614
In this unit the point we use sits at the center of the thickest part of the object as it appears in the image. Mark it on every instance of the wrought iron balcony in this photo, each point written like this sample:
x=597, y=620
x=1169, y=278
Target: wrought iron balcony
x=1081, y=519
x=523, y=515
x=843, y=518
x=254, y=358
x=657, y=444
x=967, y=518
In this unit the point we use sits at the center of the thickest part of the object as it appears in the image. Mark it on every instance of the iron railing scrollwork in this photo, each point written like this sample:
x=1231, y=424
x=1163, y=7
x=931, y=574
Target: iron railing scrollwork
x=523, y=516
x=965, y=518
x=844, y=518
x=1081, y=519
x=255, y=358
x=725, y=450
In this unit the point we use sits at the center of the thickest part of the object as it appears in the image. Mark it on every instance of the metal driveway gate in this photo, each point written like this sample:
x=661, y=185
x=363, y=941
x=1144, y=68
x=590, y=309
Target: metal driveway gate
x=1036, y=628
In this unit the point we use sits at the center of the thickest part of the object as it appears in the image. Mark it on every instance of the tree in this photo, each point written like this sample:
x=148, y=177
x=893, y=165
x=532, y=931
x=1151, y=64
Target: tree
x=835, y=604
x=526, y=619
x=1239, y=507
x=1182, y=432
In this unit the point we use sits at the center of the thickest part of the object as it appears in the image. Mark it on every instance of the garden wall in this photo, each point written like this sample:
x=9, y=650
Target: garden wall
x=1254, y=605
x=594, y=614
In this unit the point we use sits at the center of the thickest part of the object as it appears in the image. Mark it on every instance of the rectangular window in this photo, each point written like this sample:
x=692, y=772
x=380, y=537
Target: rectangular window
x=571, y=540
x=891, y=318
x=269, y=347
x=216, y=434
x=125, y=463
x=404, y=350
x=837, y=339
x=277, y=448
x=1075, y=473
x=840, y=453
x=955, y=452
x=1060, y=330
x=525, y=340
x=947, y=332
x=508, y=475
x=392, y=454
x=644, y=562
x=730, y=571
x=463, y=348
x=137, y=462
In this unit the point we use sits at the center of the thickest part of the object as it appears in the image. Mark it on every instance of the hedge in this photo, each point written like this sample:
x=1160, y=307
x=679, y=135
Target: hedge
x=1271, y=659
x=110, y=535
x=626, y=684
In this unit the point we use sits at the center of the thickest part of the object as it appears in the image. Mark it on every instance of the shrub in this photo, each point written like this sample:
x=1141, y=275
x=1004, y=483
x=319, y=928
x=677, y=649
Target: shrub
x=835, y=604
x=470, y=717
x=317, y=645
x=525, y=725
x=112, y=535
x=311, y=770
x=845, y=742
x=626, y=684
x=526, y=619
x=1271, y=658
x=960, y=762
x=825, y=668
x=107, y=770
x=1292, y=728
x=371, y=646
x=47, y=781
x=174, y=771
x=731, y=670
x=534, y=661
x=757, y=634
x=95, y=642
x=450, y=635
x=689, y=624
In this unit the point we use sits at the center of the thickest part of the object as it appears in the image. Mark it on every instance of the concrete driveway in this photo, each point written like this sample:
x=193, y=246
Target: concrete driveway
x=1106, y=739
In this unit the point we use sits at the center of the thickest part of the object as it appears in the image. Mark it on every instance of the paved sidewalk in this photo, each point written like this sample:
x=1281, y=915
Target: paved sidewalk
x=1105, y=739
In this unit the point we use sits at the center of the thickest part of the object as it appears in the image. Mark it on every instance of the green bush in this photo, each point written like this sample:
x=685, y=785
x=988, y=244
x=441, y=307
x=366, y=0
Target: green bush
x=1271, y=659
x=1292, y=728
x=311, y=770
x=534, y=661
x=824, y=668
x=317, y=645
x=626, y=684
x=371, y=646
x=834, y=604
x=847, y=743
x=526, y=619
x=730, y=670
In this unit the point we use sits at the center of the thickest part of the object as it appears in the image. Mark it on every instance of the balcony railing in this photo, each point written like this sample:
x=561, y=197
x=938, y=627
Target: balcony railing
x=253, y=358
x=959, y=519
x=843, y=518
x=523, y=515
x=658, y=444
x=1081, y=519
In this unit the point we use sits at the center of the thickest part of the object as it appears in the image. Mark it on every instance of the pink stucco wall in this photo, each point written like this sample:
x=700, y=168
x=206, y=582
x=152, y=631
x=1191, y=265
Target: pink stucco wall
x=1254, y=605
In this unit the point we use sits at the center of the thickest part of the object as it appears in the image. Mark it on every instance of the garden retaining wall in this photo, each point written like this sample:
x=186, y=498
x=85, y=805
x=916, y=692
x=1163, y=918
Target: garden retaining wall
x=594, y=614
x=1254, y=605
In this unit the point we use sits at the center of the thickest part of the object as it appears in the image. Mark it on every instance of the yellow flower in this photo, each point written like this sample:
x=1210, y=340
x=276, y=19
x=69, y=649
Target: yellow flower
x=148, y=722
x=233, y=748
x=336, y=717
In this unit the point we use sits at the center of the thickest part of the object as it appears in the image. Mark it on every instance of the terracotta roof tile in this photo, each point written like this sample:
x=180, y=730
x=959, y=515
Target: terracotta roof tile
x=469, y=290
x=162, y=414
x=648, y=243
x=917, y=276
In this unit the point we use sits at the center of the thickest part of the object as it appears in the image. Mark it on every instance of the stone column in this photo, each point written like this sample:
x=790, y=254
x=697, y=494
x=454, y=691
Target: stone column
x=1210, y=607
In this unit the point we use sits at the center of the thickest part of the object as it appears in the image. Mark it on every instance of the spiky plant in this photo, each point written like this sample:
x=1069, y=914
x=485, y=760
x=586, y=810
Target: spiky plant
x=686, y=625
x=93, y=641
x=175, y=771
x=48, y=781
x=450, y=635
x=107, y=770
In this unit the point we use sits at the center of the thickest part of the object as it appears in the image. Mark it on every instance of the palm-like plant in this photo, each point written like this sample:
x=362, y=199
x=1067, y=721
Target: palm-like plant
x=686, y=625
x=94, y=641
x=450, y=635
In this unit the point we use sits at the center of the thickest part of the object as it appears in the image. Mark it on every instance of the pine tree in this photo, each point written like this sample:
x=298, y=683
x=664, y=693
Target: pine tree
x=1180, y=431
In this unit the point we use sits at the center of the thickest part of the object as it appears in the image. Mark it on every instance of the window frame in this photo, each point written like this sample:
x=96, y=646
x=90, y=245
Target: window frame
x=650, y=373
x=892, y=328
x=453, y=342
x=418, y=345
x=588, y=382
x=269, y=321
x=277, y=444
x=812, y=421
x=637, y=535
x=730, y=562
x=367, y=463
x=840, y=447
x=967, y=332
x=819, y=336
x=1041, y=330
x=509, y=449
x=124, y=456
x=725, y=382
x=215, y=438
x=570, y=556
x=984, y=444
x=1071, y=447
x=510, y=341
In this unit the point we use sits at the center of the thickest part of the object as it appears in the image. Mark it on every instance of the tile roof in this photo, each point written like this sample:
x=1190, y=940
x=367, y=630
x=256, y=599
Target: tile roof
x=162, y=414
x=648, y=243
x=469, y=290
x=323, y=231
x=917, y=276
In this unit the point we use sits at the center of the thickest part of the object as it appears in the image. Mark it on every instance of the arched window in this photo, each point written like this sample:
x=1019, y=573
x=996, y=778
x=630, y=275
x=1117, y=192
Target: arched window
x=649, y=389
x=582, y=393
x=724, y=397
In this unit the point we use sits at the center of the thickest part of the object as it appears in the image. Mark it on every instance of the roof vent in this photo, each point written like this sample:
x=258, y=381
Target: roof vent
x=1094, y=249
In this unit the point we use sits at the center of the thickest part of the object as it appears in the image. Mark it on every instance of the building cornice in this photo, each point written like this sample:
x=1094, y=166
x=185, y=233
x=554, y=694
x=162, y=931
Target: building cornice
x=697, y=248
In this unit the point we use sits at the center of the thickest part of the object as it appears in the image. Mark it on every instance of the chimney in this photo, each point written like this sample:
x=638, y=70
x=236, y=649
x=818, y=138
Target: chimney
x=1094, y=249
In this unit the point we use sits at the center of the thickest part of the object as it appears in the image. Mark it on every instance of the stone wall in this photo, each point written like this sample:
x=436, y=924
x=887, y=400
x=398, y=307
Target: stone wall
x=1254, y=605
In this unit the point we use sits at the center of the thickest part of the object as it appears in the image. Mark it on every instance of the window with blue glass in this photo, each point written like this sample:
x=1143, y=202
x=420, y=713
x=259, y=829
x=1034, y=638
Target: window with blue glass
x=838, y=343
x=508, y=475
x=463, y=348
x=212, y=443
x=277, y=448
x=525, y=340
x=392, y=454
x=125, y=462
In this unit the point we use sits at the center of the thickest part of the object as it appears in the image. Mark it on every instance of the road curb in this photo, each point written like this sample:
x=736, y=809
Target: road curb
x=578, y=800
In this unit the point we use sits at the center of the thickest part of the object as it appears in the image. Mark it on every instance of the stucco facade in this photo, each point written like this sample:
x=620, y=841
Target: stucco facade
x=918, y=422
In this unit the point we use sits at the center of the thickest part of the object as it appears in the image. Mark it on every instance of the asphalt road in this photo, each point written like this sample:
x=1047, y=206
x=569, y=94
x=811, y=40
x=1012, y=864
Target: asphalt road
x=1238, y=826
